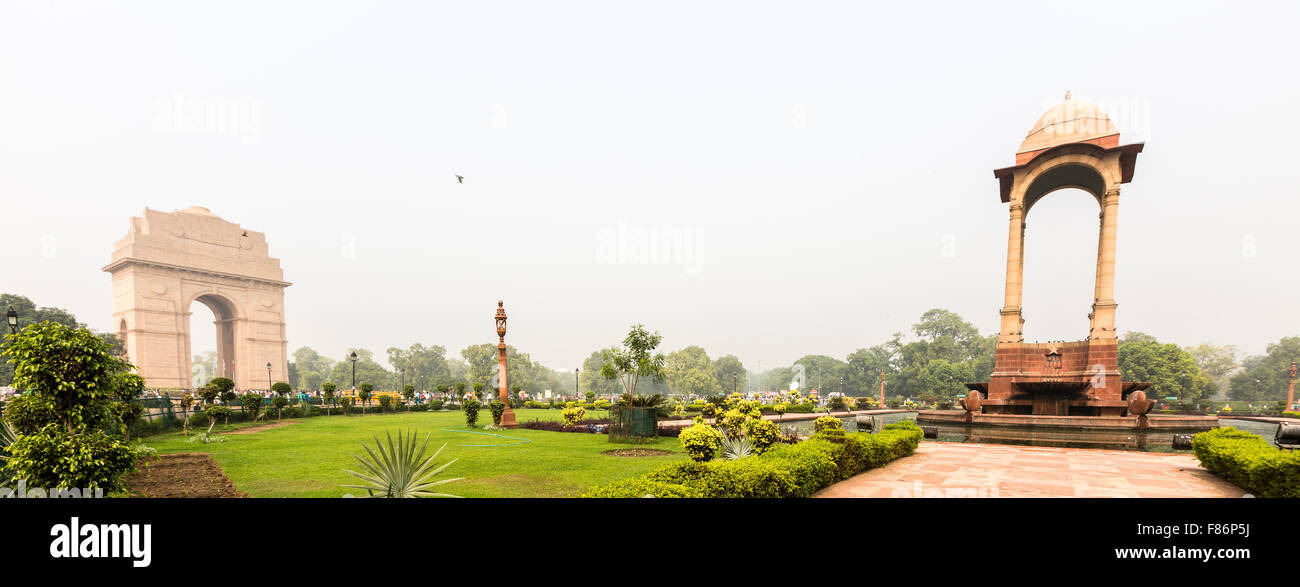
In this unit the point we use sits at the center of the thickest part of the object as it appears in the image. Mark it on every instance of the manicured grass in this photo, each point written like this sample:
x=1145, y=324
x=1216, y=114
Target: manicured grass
x=307, y=458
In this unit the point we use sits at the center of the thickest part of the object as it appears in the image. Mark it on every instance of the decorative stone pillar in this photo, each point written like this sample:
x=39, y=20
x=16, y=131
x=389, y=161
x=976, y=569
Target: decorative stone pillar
x=1103, y=308
x=508, y=416
x=1011, y=316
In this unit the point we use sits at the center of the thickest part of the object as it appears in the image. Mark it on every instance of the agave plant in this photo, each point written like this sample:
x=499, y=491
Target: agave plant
x=399, y=471
x=656, y=401
x=736, y=448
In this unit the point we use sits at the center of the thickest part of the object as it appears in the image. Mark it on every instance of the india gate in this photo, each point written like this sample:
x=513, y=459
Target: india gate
x=169, y=261
x=1073, y=145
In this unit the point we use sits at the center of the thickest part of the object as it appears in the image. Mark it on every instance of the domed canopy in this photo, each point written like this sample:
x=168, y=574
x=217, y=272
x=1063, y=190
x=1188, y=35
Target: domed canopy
x=1071, y=121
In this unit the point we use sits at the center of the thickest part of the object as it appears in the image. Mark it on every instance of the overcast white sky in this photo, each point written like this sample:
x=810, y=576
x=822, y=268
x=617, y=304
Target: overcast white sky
x=827, y=166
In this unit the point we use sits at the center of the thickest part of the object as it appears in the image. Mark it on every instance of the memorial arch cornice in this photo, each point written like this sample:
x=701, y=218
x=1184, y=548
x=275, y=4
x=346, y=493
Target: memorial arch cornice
x=120, y=263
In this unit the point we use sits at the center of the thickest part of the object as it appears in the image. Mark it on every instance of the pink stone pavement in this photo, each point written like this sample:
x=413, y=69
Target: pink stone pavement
x=991, y=470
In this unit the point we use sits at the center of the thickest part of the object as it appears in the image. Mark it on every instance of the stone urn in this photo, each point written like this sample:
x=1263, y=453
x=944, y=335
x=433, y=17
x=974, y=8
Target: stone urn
x=1138, y=404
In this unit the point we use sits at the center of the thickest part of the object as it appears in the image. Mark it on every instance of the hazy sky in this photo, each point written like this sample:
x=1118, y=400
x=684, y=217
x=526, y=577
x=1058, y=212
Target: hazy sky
x=811, y=176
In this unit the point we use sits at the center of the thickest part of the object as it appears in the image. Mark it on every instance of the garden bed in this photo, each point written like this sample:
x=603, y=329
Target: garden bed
x=636, y=452
x=180, y=475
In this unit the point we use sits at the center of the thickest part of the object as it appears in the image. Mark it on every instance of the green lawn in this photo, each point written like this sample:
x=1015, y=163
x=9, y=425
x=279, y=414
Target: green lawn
x=307, y=458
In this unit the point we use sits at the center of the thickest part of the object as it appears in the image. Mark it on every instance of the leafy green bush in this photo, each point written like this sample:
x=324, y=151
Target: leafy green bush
x=385, y=403
x=27, y=414
x=1249, y=462
x=700, y=442
x=51, y=458
x=498, y=409
x=435, y=405
x=470, y=407
x=252, y=404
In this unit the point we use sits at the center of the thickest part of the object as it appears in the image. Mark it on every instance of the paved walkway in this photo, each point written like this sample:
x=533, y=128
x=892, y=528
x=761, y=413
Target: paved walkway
x=990, y=470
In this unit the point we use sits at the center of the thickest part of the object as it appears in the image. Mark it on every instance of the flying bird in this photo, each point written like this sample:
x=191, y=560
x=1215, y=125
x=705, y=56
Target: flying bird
x=460, y=179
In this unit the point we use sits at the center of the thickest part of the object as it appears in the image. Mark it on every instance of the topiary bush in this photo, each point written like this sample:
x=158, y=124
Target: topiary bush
x=498, y=409
x=470, y=407
x=763, y=433
x=1249, y=462
x=572, y=416
x=700, y=442
x=827, y=423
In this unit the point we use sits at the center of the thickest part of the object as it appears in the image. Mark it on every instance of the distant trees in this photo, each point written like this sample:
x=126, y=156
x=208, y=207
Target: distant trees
x=1171, y=370
x=687, y=371
x=29, y=313
x=1265, y=377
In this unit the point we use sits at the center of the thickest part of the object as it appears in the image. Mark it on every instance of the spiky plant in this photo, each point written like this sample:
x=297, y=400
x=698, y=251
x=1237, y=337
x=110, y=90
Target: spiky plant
x=736, y=448
x=398, y=470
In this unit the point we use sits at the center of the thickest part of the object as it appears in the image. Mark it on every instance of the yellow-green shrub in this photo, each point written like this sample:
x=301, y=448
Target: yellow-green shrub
x=700, y=442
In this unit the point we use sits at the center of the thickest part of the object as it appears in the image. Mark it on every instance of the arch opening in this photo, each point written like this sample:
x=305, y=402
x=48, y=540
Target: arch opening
x=211, y=339
x=1060, y=265
x=1072, y=175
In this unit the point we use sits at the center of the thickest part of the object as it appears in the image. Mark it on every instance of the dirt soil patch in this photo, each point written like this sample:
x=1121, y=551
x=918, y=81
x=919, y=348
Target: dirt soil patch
x=180, y=475
x=261, y=427
x=637, y=452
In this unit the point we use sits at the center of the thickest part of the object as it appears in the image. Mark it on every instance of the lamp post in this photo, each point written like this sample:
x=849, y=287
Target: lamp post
x=575, y=380
x=353, y=358
x=12, y=317
x=507, y=416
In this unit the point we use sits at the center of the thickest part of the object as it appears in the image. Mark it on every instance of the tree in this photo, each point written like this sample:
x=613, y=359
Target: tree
x=328, y=389
x=279, y=402
x=1265, y=377
x=126, y=390
x=222, y=385
x=408, y=393
x=71, y=371
x=590, y=379
x=187, y=402
x=421, y=365
x=689, y=371
x=252, y=404
x=1172, y=371
x=364, y=394
x=29, y=313
x=367, y=370
x=730, y=373
x=635, y=360
x=70, y=376
x=1216, y=361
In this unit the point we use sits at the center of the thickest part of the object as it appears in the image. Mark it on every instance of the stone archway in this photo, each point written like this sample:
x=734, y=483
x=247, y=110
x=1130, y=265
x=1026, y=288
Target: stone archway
x=169, y=261
x=1073, y=145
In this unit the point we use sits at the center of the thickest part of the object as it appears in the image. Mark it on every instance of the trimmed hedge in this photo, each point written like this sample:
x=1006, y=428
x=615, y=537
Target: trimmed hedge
x=1249, y=462
x=794, y=470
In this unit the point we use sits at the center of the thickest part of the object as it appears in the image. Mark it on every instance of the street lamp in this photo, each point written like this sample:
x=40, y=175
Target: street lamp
x=12, y=317
x=575, y=380
x=353, y=358
x=268, y=377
